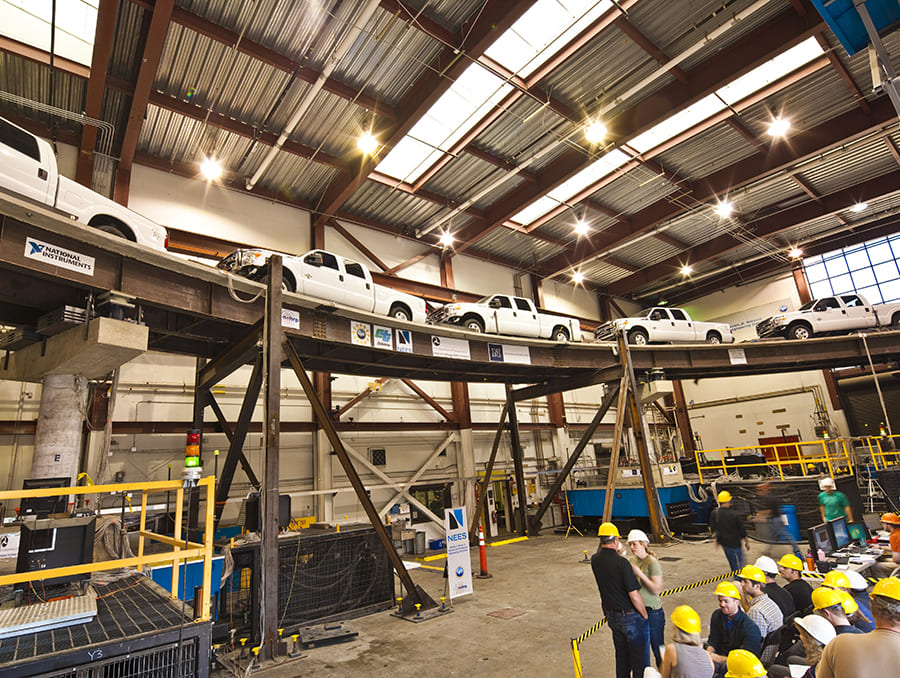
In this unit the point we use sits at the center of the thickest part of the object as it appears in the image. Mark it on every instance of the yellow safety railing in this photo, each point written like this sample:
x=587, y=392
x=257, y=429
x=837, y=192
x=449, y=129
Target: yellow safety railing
x=883, y=448
x=181, y=549
x=821, y=455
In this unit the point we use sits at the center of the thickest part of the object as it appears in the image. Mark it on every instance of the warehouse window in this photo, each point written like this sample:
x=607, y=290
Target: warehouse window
x=872, y=269
x=435, y=497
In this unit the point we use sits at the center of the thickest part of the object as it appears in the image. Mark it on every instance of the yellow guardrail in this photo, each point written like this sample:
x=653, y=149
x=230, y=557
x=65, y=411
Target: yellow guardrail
x=884, y=448
x=821, y=455
x=181, y=549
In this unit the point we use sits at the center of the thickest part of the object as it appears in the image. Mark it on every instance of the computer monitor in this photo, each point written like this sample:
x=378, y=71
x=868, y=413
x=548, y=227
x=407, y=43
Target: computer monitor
x=838, y=527
x=858, y=533
x=42, y=507
x=820, y=538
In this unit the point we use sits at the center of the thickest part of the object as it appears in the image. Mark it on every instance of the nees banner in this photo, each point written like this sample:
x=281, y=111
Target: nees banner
x=459, y=563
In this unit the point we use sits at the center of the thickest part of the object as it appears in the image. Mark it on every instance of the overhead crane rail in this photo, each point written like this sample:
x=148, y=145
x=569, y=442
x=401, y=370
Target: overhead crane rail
x=197, y=310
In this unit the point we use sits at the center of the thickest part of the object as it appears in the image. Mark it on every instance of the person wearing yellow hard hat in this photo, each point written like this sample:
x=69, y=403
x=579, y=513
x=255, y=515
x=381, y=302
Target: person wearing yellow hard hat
x=762, y=610
x=728, y=531
x=829, y=603
x=685, y=657
x=730, y=628
x=890, y=523
x=743, y=664
x=650, y=576
x=840, y=582
x=778, y=595
x=622, y=605
x=869, y=654
x=790, y=567
x=859, y=590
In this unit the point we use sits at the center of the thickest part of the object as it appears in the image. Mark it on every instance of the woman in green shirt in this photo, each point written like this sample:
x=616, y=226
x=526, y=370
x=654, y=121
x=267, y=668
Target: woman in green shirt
x=649, y=575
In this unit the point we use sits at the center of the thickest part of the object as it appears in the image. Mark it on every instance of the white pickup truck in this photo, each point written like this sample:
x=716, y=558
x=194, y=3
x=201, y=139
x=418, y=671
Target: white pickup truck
x=659, y=324
x=830, y=315
x=327, y=276
x=503, y=314
x=29, y=170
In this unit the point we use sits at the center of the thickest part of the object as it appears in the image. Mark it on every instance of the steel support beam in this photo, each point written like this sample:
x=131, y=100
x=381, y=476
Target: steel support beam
x=488, y=470
x=516, y=444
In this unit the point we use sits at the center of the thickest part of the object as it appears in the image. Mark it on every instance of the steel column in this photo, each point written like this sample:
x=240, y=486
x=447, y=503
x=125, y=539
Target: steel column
x=516, y=445
x=488, y=470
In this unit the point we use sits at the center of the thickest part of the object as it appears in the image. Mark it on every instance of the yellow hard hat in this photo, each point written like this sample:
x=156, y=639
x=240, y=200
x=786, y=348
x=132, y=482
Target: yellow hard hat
x=850, y=606
x=728, y=589
x=836, y=580
x=791, y=561
x=724, y=497
x=824, y=597
x=753, y=573
x=608, y=530
x=686, y=618
x=744, y=664
x=888, y=587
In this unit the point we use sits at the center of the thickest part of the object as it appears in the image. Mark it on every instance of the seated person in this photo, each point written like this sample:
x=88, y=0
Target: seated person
x=858, y=589
x=779, y=596
x=730, y=628
x=762, y=610
x=790, y=567
x=840, y=582
x=684, y=656
x=829, y=604
x=815, y=634
x=890, y=523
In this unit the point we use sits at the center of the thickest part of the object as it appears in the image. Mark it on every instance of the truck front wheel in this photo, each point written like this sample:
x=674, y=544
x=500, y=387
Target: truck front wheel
x=799, y=331
x=474, y=324
x=638, y=337
x=713, y=338
x=895, y=321
x=287, y=282
x=400, y=312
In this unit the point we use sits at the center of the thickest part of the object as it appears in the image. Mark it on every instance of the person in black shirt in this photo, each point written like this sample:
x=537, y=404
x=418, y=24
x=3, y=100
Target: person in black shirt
x=778, y=595
x=622, y=605
x=790, y=567
x=771, y=524
x=728, y=530
x=730, y=628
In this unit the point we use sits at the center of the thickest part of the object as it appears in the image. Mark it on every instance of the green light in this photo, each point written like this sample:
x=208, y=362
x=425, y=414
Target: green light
x=190, y=462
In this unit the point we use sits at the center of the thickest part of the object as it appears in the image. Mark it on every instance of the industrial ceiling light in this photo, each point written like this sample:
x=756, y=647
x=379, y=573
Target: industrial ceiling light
x=795, y=253
x=446, y=239
x=724, y=208
x=367, y=143
x=595, y=131
x=581, y=227
x=859, y=207
x=578, y=277
x=779, y=127
x=686, y=270
x=211, y=169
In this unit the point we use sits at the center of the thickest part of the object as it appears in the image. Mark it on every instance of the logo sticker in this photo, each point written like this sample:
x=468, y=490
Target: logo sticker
x=360, y=333
x=58, y=256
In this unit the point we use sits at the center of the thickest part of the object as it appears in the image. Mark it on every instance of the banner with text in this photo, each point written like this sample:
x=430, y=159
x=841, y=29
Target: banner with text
x=459, y=563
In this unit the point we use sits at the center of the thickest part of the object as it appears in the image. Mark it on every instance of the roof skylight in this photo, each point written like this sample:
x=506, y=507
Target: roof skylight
x=29, y=21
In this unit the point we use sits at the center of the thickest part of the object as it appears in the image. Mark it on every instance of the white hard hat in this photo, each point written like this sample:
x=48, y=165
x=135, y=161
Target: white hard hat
x=638, y=535
x=857, y=581
x=826, y=482
x=818, y=627
x=767, y=565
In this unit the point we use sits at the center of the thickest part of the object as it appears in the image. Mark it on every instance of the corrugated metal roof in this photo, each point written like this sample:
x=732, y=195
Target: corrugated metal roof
x=692, y=159
x=602, y=272
x=646, y=252
x=512, y=245
x=849, y=165
x=637, y=189
x=382, y=203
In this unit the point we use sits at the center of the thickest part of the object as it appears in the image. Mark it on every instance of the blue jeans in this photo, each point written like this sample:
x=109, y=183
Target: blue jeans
x=657, y=620
x=631, y=639
x=735, y=557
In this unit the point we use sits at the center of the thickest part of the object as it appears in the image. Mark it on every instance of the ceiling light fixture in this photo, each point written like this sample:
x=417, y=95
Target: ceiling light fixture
x=724, y=208
x=595, y=132
x=367, y=143
x=581, y=227
x=211, y=169
x=859, y=207
x=795, y=253
x=686, y=269
x=446, y=239
x=779, y=127
x=578, y=277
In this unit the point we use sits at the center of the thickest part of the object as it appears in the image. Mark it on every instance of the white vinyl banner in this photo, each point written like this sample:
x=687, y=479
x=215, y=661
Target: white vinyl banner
x=459, y=562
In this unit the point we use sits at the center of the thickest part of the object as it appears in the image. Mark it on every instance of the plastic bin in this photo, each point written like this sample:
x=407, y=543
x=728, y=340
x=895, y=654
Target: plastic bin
x=437, y=544
x=420, y=543
x=793, y=526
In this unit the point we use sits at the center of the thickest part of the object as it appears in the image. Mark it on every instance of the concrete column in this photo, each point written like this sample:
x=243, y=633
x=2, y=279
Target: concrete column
x=57, y=438
x=323, y=474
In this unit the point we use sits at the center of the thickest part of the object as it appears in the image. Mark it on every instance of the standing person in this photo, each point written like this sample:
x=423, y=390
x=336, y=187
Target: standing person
x=833, y=504
x=890, y=523
x=649, y=575
x=685, y=657
x=729, y=531
x=790, y=567
x=622, y=605
x=781, y=597
x=868, y=654
x=771, y=521
x=730, y=628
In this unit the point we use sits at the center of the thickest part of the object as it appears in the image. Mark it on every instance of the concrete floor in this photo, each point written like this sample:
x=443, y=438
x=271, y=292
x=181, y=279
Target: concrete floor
x=545, y=580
